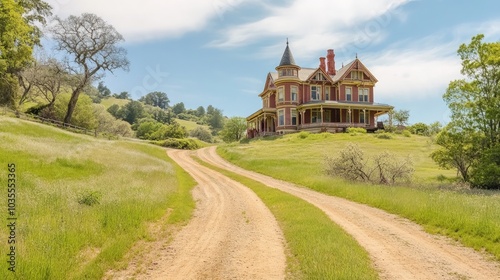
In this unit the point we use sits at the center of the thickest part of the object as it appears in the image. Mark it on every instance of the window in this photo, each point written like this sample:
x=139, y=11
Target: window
x=363, y=94
x=281, y=117
x=327, y=93
x=315, y=93
x=316, y=116
x=319, y=77
x=294, y=117
x=361, y=116
x=356, y=75
x=295, y=93
x=281, y=94
x=348, y=94
x=288, y=72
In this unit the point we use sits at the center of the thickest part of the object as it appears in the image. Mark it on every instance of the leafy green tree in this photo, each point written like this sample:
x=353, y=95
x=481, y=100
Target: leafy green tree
x=179, y=108
x=108, y=124
x=475, y=102
x=17, y=39
x=158, y=114
x=216, y=121
x=174, y=130
x=157, y=99
x=234, y=129
x=475, y=120
x=401, y=117
x=103, y=90
x=420, y=129
x=202, y=134
x=435, y=128
x=147, y=128
x=486, y=173
x=210, y=109
x=200, y=111
x=122, y=95
x=132, y=111
x=92, y=47
x=458, y=150
x=114, y=110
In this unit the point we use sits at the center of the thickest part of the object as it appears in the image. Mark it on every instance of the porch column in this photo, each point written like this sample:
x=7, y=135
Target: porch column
x=265, y=123
x=321, y=110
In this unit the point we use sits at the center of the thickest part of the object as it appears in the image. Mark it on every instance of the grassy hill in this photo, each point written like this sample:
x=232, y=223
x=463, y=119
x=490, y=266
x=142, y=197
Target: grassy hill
x=190, y=125
x=470, y=216
x=108, y=102
x=82, y=202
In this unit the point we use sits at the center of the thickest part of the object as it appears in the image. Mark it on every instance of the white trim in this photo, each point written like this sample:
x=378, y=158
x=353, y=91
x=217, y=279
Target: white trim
x=318, y=92
x=296, y=93
x=350, y=89
x=282, y=111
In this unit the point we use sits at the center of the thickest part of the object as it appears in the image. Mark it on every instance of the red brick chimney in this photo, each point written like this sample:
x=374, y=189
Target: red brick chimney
x=322, y=64
x=331, y=62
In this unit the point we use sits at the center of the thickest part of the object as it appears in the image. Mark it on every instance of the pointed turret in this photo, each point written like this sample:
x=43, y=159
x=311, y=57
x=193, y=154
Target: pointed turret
x=287, y=58
x=287, y=66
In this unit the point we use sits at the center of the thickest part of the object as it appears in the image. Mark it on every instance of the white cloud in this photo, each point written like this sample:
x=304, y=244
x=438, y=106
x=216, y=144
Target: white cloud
x=149, y=19
x=421, y=72
x=312, y=25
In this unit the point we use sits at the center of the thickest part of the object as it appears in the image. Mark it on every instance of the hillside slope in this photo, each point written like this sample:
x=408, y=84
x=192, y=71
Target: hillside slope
x=82, y=202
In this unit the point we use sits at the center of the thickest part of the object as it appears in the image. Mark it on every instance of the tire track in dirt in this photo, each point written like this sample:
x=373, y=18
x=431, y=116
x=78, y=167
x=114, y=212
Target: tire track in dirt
x=232, y=234
x=399, y=248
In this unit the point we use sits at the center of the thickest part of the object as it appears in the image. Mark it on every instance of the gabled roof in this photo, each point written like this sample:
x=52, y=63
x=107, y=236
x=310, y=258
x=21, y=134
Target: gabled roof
x=319, y=70
x=353, y=65
x=287, y=58
x=269, y=82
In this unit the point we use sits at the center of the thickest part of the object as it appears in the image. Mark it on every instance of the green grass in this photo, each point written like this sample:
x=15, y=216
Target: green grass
x=317, y=248
x=190, y=125
x=108, y=102
x=472, y=217
x=57, y=236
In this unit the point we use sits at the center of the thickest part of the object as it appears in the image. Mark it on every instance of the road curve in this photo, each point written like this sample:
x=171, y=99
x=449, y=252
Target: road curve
x=398, y=248
x=232, y=234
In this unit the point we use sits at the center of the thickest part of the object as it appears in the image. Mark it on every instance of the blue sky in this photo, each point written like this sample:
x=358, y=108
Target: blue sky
x=218, y=52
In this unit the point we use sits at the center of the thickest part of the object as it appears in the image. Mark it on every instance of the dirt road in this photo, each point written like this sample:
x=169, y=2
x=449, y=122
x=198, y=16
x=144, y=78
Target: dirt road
x=398, y=248
x=232, y=235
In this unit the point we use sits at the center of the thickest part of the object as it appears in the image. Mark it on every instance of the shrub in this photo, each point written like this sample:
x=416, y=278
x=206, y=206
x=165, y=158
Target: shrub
x=356, y=130
x=89, y=198
x=383, y=168
x=303, y=135
x=182, y=144
x=406, y=133
x=384, y=136
x=202, y=134
x=486, y=173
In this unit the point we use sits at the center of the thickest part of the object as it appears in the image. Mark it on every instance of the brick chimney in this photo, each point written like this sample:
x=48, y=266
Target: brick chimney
x=322, y=64
x=331, y=62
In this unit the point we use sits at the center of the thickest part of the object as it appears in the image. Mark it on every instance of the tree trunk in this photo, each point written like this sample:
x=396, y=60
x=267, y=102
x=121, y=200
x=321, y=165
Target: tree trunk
x=71, y=105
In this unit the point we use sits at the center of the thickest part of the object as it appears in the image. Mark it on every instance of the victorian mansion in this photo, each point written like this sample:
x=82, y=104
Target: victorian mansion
x=316, y=99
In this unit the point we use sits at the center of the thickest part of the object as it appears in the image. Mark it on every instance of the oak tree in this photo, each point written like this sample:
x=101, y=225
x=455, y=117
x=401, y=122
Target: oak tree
x=92, y=48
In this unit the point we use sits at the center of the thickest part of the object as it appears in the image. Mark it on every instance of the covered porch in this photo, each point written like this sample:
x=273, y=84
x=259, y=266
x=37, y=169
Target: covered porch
x=336, y=117
x=261, y=123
